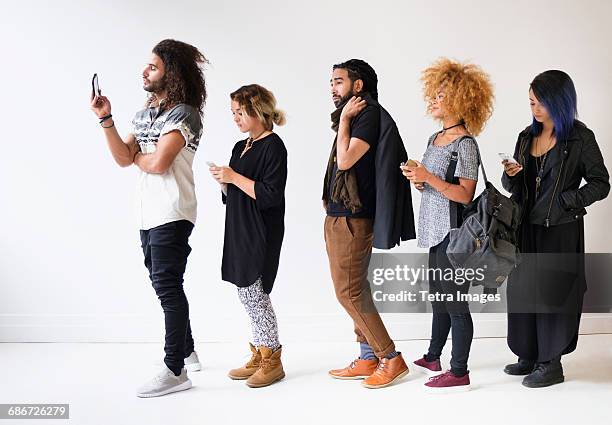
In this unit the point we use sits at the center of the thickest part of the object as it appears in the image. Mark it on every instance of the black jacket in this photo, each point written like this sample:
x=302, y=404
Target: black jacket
x=561, y=199
x=394, y=217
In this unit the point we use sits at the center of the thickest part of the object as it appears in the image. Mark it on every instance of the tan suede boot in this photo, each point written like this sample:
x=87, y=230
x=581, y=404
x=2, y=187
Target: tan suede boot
x=270, y=369
x=249, y=368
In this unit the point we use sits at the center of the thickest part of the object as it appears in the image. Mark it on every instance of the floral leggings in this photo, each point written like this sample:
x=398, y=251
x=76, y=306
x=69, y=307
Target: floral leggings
x=263, y=320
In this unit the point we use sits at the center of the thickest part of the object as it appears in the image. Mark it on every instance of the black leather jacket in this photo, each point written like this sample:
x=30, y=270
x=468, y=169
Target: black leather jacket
x=561, y=199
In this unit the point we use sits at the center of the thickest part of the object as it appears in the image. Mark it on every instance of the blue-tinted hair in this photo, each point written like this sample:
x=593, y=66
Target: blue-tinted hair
x=555, y=90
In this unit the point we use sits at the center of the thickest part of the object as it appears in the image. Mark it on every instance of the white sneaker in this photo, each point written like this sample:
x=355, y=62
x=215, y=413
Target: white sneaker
x=192, y=363
x=165, y=382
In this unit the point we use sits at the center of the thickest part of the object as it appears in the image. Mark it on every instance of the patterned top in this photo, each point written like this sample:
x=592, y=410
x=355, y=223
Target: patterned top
x=434, y=215
x=163, y=198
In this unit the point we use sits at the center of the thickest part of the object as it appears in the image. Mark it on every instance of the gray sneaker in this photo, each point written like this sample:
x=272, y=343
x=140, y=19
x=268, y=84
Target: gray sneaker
x=192, y=363
x=165, y=382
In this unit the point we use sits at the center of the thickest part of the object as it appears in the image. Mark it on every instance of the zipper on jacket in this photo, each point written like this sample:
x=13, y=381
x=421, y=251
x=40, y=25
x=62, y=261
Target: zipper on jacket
x=524, y=164
x=547, y=221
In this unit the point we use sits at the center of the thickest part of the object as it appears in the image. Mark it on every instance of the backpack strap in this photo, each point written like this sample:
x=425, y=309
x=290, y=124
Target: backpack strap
x=456, y=209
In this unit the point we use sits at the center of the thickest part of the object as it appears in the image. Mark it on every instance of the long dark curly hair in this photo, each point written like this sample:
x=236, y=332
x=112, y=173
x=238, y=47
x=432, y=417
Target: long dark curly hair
x=183, y=75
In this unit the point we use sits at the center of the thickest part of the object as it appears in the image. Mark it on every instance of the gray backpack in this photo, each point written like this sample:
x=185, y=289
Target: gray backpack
x=483, y=233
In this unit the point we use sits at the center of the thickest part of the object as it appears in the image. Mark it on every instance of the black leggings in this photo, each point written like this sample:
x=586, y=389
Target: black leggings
x=449, y=315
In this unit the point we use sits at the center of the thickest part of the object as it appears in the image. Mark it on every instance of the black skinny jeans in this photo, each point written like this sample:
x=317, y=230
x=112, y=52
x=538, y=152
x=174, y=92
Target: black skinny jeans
x=166, y=249
x=447, y=315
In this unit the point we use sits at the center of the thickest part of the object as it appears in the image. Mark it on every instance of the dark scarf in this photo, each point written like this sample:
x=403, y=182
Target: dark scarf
x=345, y=189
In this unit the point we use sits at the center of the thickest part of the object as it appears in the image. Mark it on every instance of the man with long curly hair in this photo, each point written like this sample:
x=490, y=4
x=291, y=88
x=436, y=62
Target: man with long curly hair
x=162, y=143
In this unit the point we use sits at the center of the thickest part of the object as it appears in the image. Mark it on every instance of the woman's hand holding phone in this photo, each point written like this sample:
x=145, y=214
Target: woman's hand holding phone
x=216, y=172
x=212, y=167
x=511, y=168
x=415, y=172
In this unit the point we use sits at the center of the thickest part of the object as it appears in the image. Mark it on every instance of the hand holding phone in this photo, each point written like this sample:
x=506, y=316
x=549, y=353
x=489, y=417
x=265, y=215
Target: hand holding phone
x=411, y=163
x=507, y=157
x=99, y=104
x=511, y=166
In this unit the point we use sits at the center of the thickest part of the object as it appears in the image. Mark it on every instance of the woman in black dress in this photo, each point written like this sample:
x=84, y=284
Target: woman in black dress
x=253, y=187
x=545, y=292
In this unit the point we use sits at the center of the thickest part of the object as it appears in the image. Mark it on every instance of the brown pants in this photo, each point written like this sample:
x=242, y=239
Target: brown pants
x=349, y=247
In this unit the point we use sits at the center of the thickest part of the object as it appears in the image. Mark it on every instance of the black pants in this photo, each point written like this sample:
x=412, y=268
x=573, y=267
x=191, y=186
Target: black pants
x=449, y=315
x=166, y=249
x=551, y=274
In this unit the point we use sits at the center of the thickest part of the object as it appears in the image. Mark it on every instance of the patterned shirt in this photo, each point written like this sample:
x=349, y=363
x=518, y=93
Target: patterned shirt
x=434, y=215
x=167, y=197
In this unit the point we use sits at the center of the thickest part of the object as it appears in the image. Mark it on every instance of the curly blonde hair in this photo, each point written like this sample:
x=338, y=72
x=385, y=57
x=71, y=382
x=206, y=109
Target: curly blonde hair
x=467, y=88
x=259, y=102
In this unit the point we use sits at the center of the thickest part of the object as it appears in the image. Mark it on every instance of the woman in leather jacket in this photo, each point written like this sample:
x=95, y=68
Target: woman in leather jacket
x=554, y=154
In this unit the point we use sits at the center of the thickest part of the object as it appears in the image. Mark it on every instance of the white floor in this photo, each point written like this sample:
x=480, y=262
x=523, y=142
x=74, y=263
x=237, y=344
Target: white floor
x=99, y=382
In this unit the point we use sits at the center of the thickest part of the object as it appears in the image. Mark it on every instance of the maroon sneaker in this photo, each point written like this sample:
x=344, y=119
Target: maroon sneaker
x=430, y=368
x=448, y=383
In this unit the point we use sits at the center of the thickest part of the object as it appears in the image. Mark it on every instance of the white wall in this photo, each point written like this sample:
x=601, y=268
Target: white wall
x=70, y=260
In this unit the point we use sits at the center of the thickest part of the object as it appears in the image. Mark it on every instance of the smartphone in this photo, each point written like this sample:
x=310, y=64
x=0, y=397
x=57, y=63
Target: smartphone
x=211, y=164
x=95, y=87
x=409, y=163
x=507, y=157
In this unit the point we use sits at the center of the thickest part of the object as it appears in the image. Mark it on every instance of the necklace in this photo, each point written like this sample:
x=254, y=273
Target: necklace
x=448, y=128
x=249, y=142
x=443, y=131
x=540, y=167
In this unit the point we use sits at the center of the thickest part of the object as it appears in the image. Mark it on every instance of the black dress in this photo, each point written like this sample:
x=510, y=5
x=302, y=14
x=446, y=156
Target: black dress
x=545, y=293
x=254, y=228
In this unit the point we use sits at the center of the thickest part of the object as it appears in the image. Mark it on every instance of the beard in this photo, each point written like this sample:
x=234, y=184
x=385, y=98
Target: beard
x=156, y=86
x=343, y=99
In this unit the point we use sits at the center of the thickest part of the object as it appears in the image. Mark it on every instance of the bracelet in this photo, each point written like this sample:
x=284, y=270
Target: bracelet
x=108, y=126
x=104, y=118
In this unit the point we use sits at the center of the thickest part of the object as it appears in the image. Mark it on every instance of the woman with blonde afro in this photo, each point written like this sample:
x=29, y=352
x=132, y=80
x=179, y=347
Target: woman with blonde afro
x=460, y=97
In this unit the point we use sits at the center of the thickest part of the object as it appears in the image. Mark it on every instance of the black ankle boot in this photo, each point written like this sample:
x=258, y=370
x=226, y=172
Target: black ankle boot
x=523, y=367
x=545, y=374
